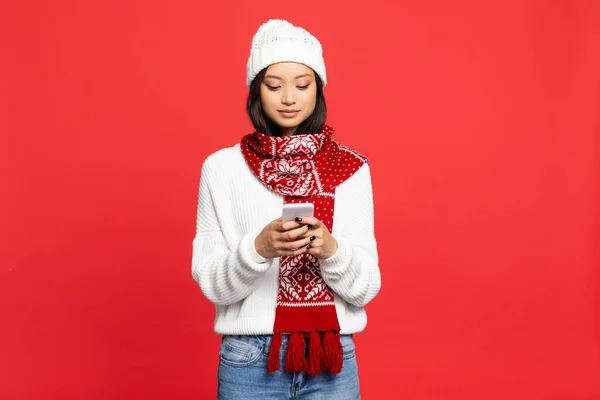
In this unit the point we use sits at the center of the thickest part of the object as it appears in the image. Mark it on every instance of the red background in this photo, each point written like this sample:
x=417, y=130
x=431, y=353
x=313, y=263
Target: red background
x=480, y=119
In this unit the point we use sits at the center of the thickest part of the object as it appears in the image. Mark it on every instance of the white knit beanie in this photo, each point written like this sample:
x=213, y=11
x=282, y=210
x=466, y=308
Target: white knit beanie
x=277, y=41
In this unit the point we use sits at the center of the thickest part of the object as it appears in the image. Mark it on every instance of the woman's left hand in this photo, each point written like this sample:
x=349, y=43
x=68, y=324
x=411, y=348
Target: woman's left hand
x=322, y=244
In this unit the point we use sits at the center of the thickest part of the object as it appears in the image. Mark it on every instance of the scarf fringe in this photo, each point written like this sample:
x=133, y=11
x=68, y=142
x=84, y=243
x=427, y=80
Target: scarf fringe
x=324, y=354
x=295, y=361
x=273, y=362
x=332, y=347
x=316, y=357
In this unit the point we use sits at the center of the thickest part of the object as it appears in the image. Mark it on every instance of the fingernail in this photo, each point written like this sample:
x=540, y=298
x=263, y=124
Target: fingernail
x=309, y=226
x=308, y=247
x=312, y=238
x=298, y=219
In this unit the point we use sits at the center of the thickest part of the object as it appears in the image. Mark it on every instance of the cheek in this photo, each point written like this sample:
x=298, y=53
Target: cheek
x=266, y=99
x=311, y=100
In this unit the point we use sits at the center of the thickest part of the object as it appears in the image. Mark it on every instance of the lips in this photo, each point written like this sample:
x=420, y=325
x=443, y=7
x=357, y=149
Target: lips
x=289, y=113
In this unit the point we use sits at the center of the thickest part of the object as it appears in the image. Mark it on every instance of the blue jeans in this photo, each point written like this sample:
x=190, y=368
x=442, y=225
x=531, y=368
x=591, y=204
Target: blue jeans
x=243, y=373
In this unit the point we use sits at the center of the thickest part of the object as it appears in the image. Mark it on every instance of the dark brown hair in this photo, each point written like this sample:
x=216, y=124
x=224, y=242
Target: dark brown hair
x=313, y=124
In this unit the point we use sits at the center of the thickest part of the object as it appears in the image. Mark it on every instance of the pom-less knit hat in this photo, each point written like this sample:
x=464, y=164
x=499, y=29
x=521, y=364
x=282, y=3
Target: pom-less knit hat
x=277, y=41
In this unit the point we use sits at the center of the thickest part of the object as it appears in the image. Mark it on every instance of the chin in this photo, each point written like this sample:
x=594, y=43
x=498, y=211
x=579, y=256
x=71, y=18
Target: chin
x=289, y=123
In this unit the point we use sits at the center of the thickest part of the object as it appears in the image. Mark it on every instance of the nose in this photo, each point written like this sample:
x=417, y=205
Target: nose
x=288, y=97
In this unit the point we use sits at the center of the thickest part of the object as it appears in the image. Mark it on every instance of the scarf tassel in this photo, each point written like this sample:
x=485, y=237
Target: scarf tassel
x=316, y=357
x=332, y=349
x=273, y=362
x=323, y=355
x=295, y=361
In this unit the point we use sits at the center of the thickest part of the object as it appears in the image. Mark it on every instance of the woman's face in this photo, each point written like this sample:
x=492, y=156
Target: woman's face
x=288, y=94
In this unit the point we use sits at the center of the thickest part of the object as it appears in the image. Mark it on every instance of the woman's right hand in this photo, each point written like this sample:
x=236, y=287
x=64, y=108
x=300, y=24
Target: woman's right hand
x=275, y=240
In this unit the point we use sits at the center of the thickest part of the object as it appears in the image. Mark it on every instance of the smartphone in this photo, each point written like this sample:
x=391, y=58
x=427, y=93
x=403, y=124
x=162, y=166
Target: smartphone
x=293, y=210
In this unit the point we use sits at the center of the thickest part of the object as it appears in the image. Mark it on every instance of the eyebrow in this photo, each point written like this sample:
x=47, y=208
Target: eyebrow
x=277, y=77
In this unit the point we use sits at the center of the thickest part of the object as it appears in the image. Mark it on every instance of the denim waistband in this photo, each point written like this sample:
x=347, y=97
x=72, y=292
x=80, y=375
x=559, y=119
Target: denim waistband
x=265, y=340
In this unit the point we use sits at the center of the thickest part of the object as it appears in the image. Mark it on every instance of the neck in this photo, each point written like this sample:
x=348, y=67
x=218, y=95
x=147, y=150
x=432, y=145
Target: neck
x=287, y=131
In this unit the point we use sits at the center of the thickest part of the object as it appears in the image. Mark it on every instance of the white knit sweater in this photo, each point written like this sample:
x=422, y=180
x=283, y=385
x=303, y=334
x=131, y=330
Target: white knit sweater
x=233, y=208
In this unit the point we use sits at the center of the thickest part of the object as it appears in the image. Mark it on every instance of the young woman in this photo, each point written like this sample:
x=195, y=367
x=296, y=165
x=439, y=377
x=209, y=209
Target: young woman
x=289, y=295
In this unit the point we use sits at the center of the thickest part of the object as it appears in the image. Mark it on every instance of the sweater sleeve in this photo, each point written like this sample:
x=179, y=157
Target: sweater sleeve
x=225, y=275
x=353, y=271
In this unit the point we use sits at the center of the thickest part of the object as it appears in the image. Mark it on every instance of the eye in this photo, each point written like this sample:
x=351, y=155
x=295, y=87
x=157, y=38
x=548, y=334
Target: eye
x=303, y=87
x=273, y=88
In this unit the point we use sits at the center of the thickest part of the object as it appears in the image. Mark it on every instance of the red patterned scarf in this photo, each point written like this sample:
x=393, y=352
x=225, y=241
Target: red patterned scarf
x=304, y=169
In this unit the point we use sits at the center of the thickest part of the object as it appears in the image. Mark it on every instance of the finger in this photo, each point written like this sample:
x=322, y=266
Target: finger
x=298, y=244
x=295, y=234
x=309, y=230
x=301, y=221
x=311, y=249
x=311, y=221
x=315, y=248
x=309, y=233
x=276, y=224
x=317, y=243
x=287, y=225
